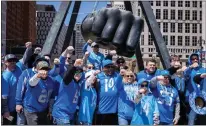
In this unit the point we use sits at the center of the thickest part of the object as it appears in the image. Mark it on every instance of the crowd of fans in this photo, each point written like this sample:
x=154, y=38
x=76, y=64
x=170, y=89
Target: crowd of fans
x=97, y=90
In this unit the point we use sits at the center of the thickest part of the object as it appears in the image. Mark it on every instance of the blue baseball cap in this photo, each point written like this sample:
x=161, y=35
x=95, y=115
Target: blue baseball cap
x=106, y=62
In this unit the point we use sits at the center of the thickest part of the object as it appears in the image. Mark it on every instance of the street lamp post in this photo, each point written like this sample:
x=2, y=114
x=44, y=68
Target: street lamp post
x=202, y=44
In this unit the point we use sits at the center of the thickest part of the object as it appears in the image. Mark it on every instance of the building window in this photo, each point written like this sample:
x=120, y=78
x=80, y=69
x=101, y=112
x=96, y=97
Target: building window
x=194, y=3
x=142, y=39
x=200, y=15
x=151, y=2
x=150, y=40
x=200, y=4
x=180, y=3
x=187, y=28
x=150, y=55
x=158, y=14
x=194, y=40
x=158, y=3
x=187, y=14
x=173, y=14
x=165, y=3
x=138, y=12
x=179, y=40
x=194, y=28
x=187, y=40
x=180, y=27
x=172, y=27
x=172, y=3
x=165, y=37
x=200, y=28
x=180, y=14
x=172, y=40
x=187, y=3
x=159, y=23
x=165, y=27
x=165, y=14
x=194, y=15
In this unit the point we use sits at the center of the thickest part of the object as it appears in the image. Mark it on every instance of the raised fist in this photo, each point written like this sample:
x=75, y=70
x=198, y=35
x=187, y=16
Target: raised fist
x=113, y=29
x=70, y=49
x=56, y=61
x=194, y=65
x=86, y=54
x=28, y=44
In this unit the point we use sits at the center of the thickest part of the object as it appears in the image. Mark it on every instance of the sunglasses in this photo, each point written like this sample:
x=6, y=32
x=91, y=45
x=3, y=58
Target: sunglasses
x=144, y=85
x=110, y=66
x=129, y=76
x=11, y=60
x=166, y=77
x=121, y=61
x=89, y=67
x=194, y=59
x=95, y=46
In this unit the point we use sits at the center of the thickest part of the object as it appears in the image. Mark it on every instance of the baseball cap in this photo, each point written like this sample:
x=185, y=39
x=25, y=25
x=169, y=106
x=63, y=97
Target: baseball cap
x=106, y=62
x=94, y=44
x=10, y=57
x=43, y=65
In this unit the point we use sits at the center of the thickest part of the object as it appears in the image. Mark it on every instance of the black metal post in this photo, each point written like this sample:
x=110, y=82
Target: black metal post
x=138, y=52
x=56, y=27
x=156, y=34
x=71, y=24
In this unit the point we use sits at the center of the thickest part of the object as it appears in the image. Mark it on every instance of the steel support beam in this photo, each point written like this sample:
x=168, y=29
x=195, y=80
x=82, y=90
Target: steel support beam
x=71, y=24
x=56, y=27
x=138, y=52
x=156, y=34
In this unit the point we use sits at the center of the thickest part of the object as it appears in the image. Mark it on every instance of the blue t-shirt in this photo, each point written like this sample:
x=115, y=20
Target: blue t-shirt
x=34, y=98
x=9, y=85
x=126, y=101
x=167, y=97
x=87, y=104
x=96, y=60
x=147, y=76
x=108, y=93
x=67, y=99
x=145, y=110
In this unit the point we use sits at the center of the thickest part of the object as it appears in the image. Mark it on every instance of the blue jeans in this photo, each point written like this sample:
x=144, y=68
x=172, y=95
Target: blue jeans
x=61, y=121
x=123, y=121
x=191, y=117
x=21, y=120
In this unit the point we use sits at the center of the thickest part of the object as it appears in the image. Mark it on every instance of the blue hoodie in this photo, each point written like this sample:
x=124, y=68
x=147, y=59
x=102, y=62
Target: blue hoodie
x=145, y=109
x=189, y=74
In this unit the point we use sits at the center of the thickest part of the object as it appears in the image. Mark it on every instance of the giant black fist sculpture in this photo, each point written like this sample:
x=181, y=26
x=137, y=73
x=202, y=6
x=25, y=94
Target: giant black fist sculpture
x=113, y=29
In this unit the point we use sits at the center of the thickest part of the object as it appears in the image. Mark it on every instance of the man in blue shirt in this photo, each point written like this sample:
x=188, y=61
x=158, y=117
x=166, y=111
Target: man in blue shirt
x=68, y=94
x=35, y=92
x=95, y=57
x=108, y=89
x=150, y=71
x=146, y=108
x=190, y=86
x=167, y=98
x=10, y=78
x=87, y=46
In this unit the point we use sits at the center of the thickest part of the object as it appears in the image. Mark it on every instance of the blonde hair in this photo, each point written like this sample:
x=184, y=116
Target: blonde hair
x=131, y=73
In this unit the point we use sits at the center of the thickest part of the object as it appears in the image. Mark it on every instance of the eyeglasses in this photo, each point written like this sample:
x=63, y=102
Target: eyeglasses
x=144, y=85
x=129, y=76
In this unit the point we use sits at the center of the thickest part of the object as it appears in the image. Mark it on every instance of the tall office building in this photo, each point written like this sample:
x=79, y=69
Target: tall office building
x=3, y=27
x=180, y=23
x=79, y=41
x=20, y=23
x=45, y=17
